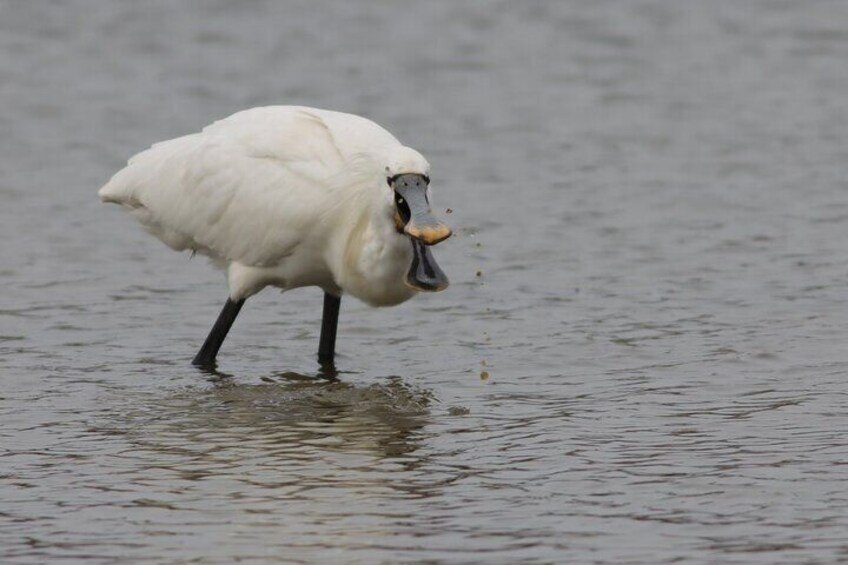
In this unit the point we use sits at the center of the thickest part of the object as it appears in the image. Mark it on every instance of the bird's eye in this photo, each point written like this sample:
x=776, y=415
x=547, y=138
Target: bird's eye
x=402, y=208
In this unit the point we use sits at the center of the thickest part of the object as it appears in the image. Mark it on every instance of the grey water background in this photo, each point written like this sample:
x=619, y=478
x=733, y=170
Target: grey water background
x=650, y=265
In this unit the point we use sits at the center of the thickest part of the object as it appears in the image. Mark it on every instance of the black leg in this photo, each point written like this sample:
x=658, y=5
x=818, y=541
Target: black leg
x=329, y=324
x=206, y=356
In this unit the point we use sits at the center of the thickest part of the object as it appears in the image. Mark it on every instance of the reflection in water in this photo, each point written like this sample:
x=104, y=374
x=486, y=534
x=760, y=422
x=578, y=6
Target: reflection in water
x=288, y=422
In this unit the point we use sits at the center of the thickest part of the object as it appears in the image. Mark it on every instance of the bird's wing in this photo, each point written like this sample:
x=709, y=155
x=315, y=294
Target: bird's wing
x=248, y=188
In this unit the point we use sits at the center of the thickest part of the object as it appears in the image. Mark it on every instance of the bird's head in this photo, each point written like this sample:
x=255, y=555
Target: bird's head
x=408, y=177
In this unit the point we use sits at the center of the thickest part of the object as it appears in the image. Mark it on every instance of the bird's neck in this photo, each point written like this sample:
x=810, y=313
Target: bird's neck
x=371, y=259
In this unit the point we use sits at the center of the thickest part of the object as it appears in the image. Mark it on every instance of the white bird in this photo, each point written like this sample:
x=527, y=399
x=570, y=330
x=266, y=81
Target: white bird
x=290, y=196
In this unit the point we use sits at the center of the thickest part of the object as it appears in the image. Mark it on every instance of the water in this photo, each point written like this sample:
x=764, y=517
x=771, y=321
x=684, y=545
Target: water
x=649, y=367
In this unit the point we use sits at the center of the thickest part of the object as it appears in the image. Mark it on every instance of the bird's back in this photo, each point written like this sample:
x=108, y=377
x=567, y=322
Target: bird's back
x=253, y=186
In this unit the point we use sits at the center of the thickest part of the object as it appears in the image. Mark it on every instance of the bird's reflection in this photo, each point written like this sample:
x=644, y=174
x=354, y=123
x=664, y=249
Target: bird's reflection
x=289, y=416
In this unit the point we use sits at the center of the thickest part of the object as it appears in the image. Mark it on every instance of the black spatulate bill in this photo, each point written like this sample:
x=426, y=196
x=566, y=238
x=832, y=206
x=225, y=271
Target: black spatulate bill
x=424, y=273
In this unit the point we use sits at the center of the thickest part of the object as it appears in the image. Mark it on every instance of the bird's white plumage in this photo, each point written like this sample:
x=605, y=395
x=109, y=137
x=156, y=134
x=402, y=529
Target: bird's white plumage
x=285, y=196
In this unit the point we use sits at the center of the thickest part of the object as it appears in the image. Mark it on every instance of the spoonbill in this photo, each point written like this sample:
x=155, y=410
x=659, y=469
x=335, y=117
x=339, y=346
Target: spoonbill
x=290, y=196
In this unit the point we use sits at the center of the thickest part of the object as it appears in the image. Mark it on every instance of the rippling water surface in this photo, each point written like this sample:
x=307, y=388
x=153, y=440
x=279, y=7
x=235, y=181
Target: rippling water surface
x=641, y=358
